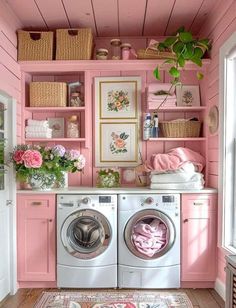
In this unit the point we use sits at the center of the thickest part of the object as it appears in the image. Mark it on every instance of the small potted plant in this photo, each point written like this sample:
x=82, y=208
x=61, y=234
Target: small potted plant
x=108, y=178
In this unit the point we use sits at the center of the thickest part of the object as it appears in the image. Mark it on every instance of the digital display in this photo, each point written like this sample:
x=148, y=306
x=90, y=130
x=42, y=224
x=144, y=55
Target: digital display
x=168, y=199
x=104, y=199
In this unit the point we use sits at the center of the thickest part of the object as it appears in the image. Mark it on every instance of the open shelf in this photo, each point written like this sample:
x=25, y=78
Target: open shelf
x=101, y=65
x=54, y=139
x=178, y=139
x=54, y=109
x=177, y=108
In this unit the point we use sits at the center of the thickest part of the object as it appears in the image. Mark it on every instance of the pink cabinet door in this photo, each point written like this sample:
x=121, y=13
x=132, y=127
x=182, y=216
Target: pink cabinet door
x=36, y=237
x=198, y=237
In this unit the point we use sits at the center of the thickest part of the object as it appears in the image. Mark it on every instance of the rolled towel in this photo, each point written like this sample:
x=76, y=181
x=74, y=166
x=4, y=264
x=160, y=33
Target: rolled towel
x=43, y=123
x=36, y=129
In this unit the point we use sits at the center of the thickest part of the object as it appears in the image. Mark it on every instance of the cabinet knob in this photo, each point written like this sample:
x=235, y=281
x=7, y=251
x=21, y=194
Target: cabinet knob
x=185, y=220
x=50, y=220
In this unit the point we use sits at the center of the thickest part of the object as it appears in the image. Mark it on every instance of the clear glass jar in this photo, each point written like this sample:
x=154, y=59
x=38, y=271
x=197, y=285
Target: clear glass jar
x=72, y=129
x=101, y=54
x=115, y=49
x=125, y=51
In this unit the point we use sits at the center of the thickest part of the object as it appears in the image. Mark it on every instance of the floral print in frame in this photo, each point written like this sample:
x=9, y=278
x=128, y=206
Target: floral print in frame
x=117, y=144
x=118, y=97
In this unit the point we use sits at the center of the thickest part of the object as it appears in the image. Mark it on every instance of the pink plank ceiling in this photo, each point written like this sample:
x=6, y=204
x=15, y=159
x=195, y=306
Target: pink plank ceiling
x=202, y=14
x=106, y=16
x=131, y=17
x=53, y=13
x=27, y=11
x=183, y=13
x=157, y=17
x=80, y=14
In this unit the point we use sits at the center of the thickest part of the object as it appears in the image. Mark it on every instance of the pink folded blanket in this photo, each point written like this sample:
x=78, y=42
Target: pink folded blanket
x=149, y=238
x=175, y=159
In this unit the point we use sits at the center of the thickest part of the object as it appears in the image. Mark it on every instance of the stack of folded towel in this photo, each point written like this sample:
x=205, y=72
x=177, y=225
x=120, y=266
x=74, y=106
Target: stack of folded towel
x=38, y=129
x=179, y=179
x=157, y=93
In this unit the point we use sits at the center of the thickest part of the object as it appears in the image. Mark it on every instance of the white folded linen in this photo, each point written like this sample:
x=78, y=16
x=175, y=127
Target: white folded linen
x=38, y=135
x=39, y=129
x=178, y=177
x=43, y=123
x=179, y=186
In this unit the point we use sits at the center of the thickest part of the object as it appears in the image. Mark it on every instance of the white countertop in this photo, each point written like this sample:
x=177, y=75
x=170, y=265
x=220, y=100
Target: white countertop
x=119, y=190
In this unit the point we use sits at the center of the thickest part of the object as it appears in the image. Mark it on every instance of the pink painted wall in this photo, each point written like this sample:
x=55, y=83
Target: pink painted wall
x=9, y=69
x=219, y=26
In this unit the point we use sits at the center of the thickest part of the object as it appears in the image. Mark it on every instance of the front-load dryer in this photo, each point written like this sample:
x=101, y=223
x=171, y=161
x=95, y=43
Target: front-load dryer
x=87, y=241
x=149, y=241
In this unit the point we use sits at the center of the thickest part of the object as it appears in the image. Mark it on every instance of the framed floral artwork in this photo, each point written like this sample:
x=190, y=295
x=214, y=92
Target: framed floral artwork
x=117, y=144
x=117, y=97
x=188, y=95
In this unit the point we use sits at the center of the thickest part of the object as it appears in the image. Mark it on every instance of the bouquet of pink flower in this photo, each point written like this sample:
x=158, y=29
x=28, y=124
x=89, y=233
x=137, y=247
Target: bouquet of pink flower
x=31, y=160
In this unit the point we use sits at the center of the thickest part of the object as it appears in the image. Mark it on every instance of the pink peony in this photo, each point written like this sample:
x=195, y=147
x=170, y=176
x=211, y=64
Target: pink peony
x=17, y=156
x=32, y=159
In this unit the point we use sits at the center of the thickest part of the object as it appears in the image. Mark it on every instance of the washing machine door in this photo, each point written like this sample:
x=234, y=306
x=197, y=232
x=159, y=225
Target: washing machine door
x=149, y=234
x=86, y=234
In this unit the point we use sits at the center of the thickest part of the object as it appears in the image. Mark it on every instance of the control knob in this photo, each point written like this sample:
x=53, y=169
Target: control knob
x=86, y=200
x=149, y=200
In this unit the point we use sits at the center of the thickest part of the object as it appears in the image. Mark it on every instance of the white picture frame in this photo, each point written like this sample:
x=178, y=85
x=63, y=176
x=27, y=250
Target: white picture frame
x=118, y=97
x=117, y=144
x=188, y=95
x=58, y=127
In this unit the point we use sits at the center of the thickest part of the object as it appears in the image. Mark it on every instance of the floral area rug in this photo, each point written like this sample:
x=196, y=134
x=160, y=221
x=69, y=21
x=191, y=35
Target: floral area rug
x=114, y=299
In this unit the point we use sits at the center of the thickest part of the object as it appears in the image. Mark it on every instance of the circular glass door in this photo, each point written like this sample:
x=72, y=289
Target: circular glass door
x=86, y=234
x=149, y=234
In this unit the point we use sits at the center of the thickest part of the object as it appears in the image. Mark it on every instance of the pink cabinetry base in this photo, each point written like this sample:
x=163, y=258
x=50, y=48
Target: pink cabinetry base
x=198, y=238
x=36, y=237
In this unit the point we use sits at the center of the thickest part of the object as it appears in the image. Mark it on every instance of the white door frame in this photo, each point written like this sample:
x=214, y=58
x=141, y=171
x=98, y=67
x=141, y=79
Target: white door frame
x=11, y=102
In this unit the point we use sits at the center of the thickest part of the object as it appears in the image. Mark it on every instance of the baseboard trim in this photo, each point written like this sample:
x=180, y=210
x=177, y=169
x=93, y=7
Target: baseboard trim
x=220, y=288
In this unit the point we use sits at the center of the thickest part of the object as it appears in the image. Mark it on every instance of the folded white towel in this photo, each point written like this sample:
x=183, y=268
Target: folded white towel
x=38, y=135
x=179, y=186
x=43, y=123
x=39, y=129
x=179, y=177
x=153, y=97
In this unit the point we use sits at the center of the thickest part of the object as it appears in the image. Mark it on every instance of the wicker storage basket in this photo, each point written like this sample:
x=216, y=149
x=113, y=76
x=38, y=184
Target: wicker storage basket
x=74, y=44
x=180, y=129
x=154, y=54
x=34, y=45
x=48, y=94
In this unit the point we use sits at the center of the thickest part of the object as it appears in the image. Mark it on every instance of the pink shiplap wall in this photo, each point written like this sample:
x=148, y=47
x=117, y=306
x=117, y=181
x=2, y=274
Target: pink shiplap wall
x=10, y=75
x=219, y=26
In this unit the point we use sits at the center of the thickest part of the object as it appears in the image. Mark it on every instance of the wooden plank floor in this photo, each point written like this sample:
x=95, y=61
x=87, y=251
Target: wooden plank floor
x=200, y=298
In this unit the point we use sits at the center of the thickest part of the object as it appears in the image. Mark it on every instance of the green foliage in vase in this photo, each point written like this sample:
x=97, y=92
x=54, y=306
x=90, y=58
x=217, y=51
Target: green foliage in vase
x=185, y=48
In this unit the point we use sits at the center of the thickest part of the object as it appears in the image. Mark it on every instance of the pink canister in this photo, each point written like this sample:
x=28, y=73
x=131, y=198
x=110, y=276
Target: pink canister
x=125, y=51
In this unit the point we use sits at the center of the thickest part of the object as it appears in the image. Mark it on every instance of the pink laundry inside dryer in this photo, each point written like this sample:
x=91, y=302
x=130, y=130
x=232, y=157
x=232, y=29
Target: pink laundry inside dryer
x=149, y=238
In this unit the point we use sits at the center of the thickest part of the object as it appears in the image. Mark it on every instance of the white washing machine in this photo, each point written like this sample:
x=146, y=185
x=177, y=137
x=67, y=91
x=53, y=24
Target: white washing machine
x=87, y=241
x=149, y=241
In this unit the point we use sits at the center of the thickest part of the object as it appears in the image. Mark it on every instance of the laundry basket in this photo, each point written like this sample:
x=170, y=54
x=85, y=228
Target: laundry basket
x=181, y=129
x=48, y=94
x=35, y=45
x=74, y=44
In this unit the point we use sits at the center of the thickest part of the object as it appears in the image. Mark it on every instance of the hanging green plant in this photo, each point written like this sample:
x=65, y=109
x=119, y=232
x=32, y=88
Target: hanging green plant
x=185, y=48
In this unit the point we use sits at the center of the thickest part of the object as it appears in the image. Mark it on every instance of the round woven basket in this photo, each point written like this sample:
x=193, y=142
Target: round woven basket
x=180, y=129
x=154, y=54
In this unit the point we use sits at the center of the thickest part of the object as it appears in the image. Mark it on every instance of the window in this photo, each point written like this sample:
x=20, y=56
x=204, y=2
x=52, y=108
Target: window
x=227, y=176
